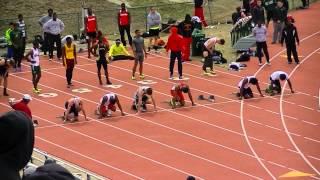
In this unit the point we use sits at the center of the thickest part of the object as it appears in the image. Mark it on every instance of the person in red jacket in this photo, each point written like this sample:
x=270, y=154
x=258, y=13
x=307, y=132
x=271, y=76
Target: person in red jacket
x=124, y=20
x=91, y=27
x=175, y=45
x=22, y=105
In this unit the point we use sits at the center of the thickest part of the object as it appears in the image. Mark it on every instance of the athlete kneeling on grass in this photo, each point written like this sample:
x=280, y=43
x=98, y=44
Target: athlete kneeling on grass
x=177, y=94
x=107, y=104
x=275, y=81
x=244, y=87
x=141, y=99
x=74, y=106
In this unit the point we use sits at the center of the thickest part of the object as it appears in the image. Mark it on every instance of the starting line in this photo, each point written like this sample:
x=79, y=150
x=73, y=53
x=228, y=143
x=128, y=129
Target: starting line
x=81, y=90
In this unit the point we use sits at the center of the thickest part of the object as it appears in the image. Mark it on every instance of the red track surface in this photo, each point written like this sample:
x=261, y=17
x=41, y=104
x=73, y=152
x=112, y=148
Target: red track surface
x=261, y=138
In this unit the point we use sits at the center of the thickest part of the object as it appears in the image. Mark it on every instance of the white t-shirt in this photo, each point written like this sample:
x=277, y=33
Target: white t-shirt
x=276, y=75
x=246, y=85
x=35, y=60
x=260, y=33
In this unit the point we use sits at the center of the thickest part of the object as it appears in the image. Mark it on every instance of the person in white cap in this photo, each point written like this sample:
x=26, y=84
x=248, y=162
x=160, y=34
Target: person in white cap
x=22, y=105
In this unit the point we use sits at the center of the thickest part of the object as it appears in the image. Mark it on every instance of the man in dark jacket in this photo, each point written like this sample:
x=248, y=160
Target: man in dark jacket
x=290, y=35
x=16, y=143
x=236, y=15
x=185, y=29
x=258, y=13
x=279, y=16
x=269, y=6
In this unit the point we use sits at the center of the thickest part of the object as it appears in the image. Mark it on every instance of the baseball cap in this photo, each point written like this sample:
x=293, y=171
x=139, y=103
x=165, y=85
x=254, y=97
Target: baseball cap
x=27, y=97
x=118, y=41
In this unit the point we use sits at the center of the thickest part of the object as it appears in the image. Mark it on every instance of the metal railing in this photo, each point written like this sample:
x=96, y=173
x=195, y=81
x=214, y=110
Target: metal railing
x=38, y=158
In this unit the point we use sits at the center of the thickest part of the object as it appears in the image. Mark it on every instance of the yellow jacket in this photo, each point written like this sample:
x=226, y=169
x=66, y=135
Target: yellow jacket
x=118, y=50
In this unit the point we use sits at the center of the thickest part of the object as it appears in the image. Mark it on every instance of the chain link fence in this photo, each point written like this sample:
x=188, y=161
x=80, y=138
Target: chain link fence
x=216, y=11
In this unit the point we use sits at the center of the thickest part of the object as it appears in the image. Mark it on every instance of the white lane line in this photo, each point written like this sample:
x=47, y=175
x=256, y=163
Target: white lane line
x=271, y=111
x=306, y=107
x=308, y=122
x=282, y=166
x=275, y=145
x=278, y=129
x=255, y=122
x=314, y=140
x=283, y=120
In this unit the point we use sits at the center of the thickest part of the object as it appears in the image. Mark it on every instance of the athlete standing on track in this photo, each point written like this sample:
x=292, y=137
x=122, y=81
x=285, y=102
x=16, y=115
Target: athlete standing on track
x=244, y=87
x=33, y=57
x=102, y=60
x=69, y=59
x=91, y=27
x=107, y=105
x=290, y=35
x=139, y=52
x=177, y=94
x=124, y=21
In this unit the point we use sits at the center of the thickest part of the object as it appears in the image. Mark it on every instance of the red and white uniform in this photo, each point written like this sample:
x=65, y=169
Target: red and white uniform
x=123, y=18
x=106, y=100
x=177, y=93
x=91, y=24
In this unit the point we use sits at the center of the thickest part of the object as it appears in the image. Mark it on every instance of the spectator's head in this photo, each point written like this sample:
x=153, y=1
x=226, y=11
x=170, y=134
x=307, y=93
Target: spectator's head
x=282, y=77
x=35, y=44
x=15, y=25
x=238, y=9
x=149, y=91
x=89, y=11
x=26, y=98
x=118, y=42
x=174, y=30
x=49, y=161
x=222, y=41
x=123, y=6
x=100, y=33
x=20, y=17
x=69, y=40
x=259, y=2
x=11, y=25
x=54, y=16
x=259, y=23
x=253, y=81
x=187, y=17
x=280, y=3
x=52, y=171
x=16, y=143
x=50, y=12
x=137, y=32
x=185, y=88
x=152, y=9
x=290, y=19
x=191, y=178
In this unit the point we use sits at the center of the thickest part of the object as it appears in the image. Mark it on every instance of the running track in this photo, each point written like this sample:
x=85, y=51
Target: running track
x=261, y=138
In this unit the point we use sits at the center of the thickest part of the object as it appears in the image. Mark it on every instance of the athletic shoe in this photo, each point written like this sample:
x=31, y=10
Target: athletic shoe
x=50, y=59
x=212, y=72
x=5, y=94
x=143, y=110
x=205, y=73
x=36, y=91
x=108, y=113
x=298, y=62
x=133, y=78
x=260, y=64
x=269, y=63
x=68, y=86
x=109, y=83
x=59, y=59
x=180, y=77
x=141, y=76
x=171, y=76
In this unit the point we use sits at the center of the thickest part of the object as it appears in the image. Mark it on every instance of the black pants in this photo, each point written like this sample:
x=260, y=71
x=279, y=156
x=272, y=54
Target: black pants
x=269, y=16
x=122, y=57
x=277, y=85
x=262, y=46
x=208, y=63
x=45, y=45
x=247, y=93
x=305, y=3
x=69, y=70
x=54, y=39
x=292, y=48
x=173, y=57
x=143, y=103
x=122, y=29
x=17, y=56
x=23, y=45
